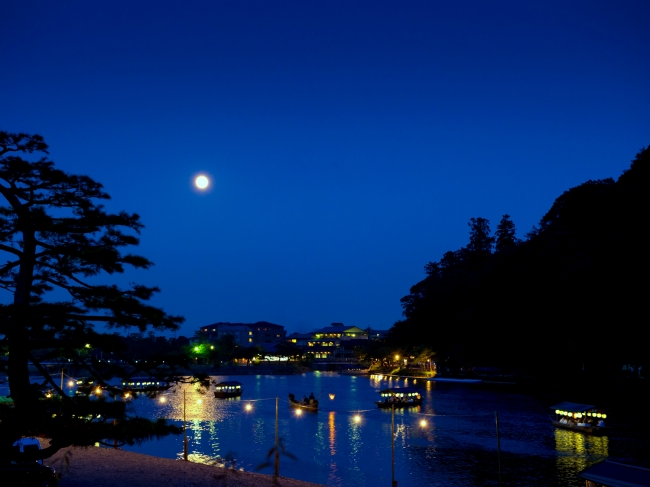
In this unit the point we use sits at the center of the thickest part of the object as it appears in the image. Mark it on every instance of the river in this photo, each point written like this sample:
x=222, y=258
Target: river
x=456, y=446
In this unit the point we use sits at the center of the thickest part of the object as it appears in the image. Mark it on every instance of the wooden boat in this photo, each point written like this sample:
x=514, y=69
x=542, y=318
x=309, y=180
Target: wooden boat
x=228, y=389
x=312, y=406
x=400, y=397
x=616, y=474
x=85, y=385
x=584, y=418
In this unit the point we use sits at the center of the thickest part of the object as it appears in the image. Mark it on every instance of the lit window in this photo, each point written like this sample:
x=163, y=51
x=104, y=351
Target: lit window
x=250, y=339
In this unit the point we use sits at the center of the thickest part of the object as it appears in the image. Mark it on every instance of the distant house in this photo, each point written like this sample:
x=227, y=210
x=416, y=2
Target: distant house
x=260, y=334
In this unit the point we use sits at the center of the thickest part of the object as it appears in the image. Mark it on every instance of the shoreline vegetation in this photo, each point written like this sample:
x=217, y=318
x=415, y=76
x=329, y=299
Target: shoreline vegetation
x=108, y=467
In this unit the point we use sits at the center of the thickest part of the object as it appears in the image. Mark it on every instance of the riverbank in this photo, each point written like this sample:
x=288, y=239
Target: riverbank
x=107, y=467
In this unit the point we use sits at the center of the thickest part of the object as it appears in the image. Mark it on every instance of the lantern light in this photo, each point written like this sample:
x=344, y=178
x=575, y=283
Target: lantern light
x=423, y=423
x=249, y=407
x=357, y=418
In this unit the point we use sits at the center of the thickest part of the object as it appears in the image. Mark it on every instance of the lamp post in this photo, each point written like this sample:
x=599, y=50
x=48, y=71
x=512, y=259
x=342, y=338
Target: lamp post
x=496, y=421
x=184, y=430
x=392, y=446
x=276, y=471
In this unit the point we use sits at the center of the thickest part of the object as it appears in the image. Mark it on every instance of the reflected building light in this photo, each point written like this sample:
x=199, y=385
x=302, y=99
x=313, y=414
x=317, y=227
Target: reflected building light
x=332, y=426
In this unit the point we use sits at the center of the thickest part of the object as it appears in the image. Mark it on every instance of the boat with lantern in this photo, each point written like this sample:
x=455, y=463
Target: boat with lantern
x=225, y=390
x=145, y=384
x=84, y=385
x=584, y=418
x=310, y=405
x=400, y=397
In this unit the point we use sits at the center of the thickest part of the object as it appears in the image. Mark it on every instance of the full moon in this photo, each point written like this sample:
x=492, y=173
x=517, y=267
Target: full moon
x=201, y=182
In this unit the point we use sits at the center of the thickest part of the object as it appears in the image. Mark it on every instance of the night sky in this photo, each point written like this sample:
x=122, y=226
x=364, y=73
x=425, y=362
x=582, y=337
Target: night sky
x=348, y=142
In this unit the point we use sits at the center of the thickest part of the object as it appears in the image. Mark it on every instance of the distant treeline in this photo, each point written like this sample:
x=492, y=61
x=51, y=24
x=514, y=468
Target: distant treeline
x=572, y=295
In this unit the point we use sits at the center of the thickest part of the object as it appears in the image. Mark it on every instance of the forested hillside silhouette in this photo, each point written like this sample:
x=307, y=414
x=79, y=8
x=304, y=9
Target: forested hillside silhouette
x=572, y=295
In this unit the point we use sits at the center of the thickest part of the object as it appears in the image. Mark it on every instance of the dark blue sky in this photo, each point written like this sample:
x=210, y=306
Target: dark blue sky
x=349, y=143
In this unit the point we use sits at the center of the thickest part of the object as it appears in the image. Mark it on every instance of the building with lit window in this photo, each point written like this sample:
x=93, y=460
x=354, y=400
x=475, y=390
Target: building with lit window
x=260, y=334
x=336, y=341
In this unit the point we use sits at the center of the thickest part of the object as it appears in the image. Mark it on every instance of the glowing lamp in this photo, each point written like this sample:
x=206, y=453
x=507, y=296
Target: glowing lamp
x=423, y=423
x=98, y=390
x=71, y=383
x=248, y=407
x=163, y=399
x=604, y=416
x=357, y=418
x=199, y=401
x=298, y=412
x=557, y=411
x=332, y=396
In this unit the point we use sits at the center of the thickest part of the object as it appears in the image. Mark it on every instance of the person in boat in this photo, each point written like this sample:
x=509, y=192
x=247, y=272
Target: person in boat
x=312, y=399
x=292, y=397
x=305, y=401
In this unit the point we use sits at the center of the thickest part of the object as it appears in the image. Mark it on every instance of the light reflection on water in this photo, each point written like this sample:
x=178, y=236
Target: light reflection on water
x=456, y=447
x=576, y=451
